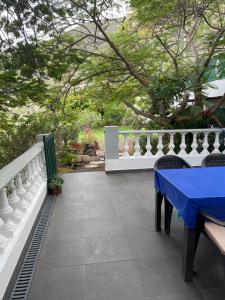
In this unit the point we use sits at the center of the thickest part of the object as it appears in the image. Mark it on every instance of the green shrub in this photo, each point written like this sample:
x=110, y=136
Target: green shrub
x=66, y=158
x=55, y=181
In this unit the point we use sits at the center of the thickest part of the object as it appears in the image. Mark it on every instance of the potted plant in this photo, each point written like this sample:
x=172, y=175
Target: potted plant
x=55, y=185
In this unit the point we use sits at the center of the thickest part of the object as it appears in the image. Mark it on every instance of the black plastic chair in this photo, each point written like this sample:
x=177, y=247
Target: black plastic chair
x=166, y=162
x=214, y=230
x=214, y=160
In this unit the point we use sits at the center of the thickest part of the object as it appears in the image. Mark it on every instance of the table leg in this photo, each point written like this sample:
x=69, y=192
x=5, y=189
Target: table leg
x=188, y=253
x=168, y=215
x=158, y=204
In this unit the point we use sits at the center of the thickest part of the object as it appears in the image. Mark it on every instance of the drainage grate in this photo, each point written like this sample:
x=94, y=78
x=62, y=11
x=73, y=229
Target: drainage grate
x=23, y=283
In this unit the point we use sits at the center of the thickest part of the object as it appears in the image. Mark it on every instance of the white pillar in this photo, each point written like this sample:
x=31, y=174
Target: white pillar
x=111, y=142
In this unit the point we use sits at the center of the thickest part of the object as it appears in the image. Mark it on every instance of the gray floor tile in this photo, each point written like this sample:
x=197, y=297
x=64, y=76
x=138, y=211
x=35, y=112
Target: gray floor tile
x=72, y=211
x=128, y=207
x=65, y=230
x=114, y=280
x=150, y=245
x=194, y=295
x=58, y=284
x=103, y=226
x=62, y=253
x=107, y=248
x=70, y=196
x=161, y=276
x=97, y=196
x=97, y=209
x=138, y=223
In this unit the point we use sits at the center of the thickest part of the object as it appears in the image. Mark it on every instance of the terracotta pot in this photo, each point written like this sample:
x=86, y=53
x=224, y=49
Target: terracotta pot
x=55, y=191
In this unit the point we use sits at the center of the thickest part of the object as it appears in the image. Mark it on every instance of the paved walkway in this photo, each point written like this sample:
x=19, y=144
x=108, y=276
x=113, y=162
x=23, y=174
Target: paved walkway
x=101, y=245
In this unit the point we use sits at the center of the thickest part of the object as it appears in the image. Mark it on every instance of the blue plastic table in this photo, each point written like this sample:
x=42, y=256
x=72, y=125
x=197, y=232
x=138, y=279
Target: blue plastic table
x=192, y=191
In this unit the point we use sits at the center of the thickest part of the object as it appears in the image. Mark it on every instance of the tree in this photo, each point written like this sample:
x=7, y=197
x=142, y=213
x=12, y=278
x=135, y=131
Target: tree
x=149, y=60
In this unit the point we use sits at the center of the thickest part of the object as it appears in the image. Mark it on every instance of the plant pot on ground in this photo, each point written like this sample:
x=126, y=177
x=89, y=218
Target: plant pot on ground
x=55, y=185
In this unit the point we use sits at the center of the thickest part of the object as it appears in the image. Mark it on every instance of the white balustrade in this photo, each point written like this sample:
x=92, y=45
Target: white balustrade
x=23, y=188
x=168, y=140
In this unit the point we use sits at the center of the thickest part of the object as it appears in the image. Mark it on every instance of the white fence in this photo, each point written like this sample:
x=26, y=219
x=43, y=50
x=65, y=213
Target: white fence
x=139, y=149
x=23, y=187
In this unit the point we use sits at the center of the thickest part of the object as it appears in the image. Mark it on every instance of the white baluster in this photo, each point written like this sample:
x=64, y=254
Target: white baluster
x=216, y=143
x=148, y=146
x=43, y=160
x=38, y=169
x=126, y=146
x=205, y=144
x=183, y=144
x=137, y=147
x=171, y=144
x=32, y=178
x=36, y=181
x=194, y=145
x=42, y=166
x=3, y=239
x=21, y=191
x=14, y=200
x=160, y=145
x=7, y=215
x=28, y=185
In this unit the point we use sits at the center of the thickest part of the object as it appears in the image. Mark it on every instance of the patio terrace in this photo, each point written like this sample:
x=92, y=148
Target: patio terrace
x=101, y=245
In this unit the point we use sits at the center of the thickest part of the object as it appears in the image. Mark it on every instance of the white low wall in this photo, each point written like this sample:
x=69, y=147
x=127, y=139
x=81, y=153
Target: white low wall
x=121, y=156
x=23, y=188
x=13, y=250
x=143, y=163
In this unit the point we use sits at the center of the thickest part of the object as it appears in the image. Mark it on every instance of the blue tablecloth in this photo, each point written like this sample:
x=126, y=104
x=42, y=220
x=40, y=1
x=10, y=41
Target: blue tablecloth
x=192, y=190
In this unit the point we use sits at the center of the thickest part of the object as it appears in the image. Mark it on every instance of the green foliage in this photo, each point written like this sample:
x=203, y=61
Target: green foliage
x=89, y=118
x=19, y=133
x=66, y=158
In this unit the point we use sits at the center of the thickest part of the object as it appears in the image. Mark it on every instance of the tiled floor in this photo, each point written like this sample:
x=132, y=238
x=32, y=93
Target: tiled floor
x=101, y=245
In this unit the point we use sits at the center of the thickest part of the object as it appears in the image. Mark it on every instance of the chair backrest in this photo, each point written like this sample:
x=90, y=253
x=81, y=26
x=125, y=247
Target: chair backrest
x=171, y=162
x=214, y=160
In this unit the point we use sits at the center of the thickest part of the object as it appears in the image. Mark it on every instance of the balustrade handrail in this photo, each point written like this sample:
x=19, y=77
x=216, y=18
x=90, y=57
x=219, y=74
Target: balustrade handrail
x=170, y=131
x=10, y=171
